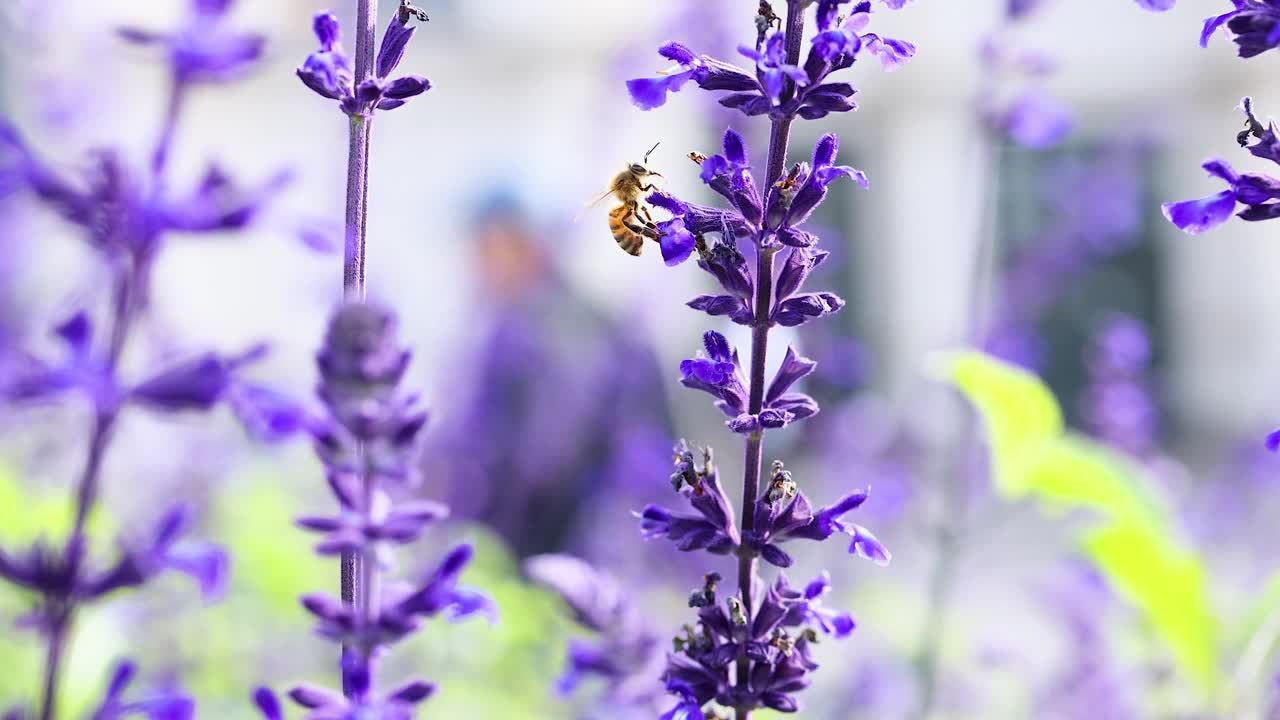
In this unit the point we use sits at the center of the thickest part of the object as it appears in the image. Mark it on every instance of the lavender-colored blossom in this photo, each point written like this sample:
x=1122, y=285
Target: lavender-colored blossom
x=776, y=636
x=120, y=218
x=1117, y=405
x=126, y=213
x=58, y=580
x=203, y=49
x=1254, y=25
x=719, y=374
x=1093, y=204
x=330, y=73
x=624, y=651
x=778, y=88
x=1256, y=191
x=169, y=705
x=367, y=442
x=1013, y=102
x=713, y=528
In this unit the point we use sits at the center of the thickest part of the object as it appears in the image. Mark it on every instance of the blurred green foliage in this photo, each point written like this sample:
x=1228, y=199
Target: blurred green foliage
x=26, y=516
x=260, y=633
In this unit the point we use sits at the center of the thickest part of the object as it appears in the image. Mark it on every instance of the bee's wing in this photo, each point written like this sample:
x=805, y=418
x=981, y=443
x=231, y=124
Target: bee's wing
x=586, y=208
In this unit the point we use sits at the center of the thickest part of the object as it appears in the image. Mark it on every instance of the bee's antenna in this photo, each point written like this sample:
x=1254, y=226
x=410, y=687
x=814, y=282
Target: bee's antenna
x=655, y=147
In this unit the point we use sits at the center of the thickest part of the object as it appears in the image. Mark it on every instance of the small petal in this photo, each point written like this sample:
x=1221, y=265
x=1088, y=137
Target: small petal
x=394, y=42
x=267, y=704
x=1197, y=216
x=866, y=545
x=406, y=87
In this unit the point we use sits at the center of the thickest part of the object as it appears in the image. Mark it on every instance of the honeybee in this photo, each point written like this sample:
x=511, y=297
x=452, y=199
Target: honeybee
x=630, y=221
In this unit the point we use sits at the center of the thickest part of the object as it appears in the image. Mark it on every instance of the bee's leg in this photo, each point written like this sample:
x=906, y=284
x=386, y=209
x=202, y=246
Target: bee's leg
x=651, y=228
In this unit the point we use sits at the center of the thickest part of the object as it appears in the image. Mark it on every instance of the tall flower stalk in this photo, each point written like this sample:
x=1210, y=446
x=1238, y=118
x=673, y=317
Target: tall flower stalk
x=361, y=87
x=751, y=650
x=127, y=218
x=368, y=436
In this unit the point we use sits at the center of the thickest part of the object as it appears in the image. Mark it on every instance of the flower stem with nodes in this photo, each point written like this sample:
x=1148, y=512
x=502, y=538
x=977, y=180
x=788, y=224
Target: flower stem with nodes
x=59, y=632
x=357, y=210
x=779, y=139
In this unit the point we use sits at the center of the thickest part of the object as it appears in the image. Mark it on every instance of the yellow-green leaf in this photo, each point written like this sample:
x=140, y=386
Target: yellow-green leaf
x=1019, y=411
x=1168, y=584
x=1134, y=542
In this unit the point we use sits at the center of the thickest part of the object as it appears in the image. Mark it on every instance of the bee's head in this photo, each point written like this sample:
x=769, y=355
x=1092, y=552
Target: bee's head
x=640, y=169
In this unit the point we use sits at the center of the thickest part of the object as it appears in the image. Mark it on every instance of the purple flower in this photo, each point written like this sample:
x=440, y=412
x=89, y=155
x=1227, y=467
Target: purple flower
x=709, y=74
x=60, y=577
x=749, y=652
x=717, y=373
x=170, y=705
x=119, y=219
x=688, y=706
x=329, y=71
x=1256, y=191
x=624, y=652
x=771, y=68
x=713, y=528
x=1036, y=120
x=779, y=88
x=203, y=50
x=783, y=513
x=775, y=637
x=398, y=704
x=792, y=202
x=676, y=241
x=1254, y=26
x=361, y=366
x=368, y=437
x=402, y=615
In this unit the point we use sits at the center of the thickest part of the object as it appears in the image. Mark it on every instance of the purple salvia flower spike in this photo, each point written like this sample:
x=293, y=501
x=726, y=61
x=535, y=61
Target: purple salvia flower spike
x=127, y=215
x=368, y=442
x=751, y=651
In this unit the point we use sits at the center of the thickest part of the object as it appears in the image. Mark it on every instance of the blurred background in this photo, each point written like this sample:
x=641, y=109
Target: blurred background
x=550, y=358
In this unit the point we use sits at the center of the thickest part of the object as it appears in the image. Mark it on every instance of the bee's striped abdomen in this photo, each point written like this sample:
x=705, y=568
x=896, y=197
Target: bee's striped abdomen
x=631, y=241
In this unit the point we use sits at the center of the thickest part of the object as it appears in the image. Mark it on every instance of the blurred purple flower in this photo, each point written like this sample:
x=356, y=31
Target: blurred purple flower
x=624, y=652
x=1038, y=121
x=203, y=50
x=169, y=705
x=60, y=579
x=121, y=219
x=1118, y=406
x=370, y=437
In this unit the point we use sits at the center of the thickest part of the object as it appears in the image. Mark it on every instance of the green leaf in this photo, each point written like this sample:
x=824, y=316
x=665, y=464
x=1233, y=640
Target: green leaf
x=1167, y=582
x=1134, y=541
x=1019, y=410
